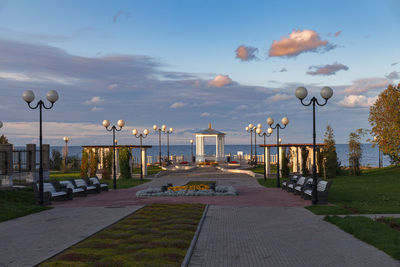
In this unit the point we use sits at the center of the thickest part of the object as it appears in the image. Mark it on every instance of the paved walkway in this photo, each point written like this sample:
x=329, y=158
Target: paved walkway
x=260, y=227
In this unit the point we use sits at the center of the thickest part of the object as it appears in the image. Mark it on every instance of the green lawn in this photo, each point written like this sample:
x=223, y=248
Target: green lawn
x=152, y=169
x=201, y=182
x=156, y=235
x=375, y=191
x=260, y=169
x=375, y=233
x=18, y=202
x=268, y=182
x=61, y=176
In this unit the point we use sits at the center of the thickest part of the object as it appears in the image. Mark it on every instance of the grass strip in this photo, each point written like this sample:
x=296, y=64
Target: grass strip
x=268, y=182
x=372, y=232
x=125, y=183
x=16, y=203
x=152, y=169
x=201, y=182
x=156, y=235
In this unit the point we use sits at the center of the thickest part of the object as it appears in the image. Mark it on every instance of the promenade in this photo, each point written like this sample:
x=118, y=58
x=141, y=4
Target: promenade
x=259, y=227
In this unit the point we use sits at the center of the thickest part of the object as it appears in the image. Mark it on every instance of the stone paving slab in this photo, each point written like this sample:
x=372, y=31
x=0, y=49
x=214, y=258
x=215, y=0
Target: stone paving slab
x=278, y=236
x=29, y=240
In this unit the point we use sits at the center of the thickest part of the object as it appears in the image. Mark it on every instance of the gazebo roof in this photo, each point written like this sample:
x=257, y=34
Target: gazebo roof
x=210, y=131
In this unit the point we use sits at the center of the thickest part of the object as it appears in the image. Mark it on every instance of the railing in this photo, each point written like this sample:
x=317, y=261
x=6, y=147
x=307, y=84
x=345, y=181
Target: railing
x=20, y=161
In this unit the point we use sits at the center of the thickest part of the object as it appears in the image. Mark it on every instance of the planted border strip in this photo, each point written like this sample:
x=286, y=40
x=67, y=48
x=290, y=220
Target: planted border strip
x=156, y=235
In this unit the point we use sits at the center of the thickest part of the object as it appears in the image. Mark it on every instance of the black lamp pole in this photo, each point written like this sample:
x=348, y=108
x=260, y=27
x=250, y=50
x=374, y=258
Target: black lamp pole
x=277, y=126
x=155, y=127
x=52, y=97
x=191, y=143
x=249, y=129
x=168, y=132
x=255, y=144
x=326, y=93
x=141, y=136
x=121, y=124
x=264, y=134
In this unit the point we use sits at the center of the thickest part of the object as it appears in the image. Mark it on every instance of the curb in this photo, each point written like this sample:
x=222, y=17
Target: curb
x=247, y=172
x=189, y=252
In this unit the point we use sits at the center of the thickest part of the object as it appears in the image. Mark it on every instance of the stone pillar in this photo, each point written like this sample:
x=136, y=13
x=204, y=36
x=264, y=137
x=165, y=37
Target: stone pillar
x=300, y=158
x=6, y=165
x=143, y=153
x=268, y=160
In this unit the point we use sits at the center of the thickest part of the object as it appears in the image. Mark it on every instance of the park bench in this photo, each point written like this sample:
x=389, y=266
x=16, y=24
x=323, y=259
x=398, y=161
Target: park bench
x=292, y=180
x=51, y=192
x=96, y=181
x=322, y=191
x=298, y=189
x=89, y=188
x=300, y=182
x=76, y=191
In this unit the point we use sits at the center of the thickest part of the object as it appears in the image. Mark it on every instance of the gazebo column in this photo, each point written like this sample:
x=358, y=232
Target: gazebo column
x=300, y=158
x=294, y=151
x=143, y=154
x=200, y=148
x=267, y=152
x=219, y=151
x=280, y=159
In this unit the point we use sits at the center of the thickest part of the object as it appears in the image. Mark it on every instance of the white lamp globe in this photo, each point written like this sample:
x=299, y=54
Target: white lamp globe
x=285, y=121
x=134, y=131
x=1, y=124
x=106, y=123
x=247, y=128
x=259, y=125
x=326, y=92
x=270, y=121
x=52, y=96
x=163, y=128
x=155, y=127
x=258, y=130
x=28, y=96
x=191, y=141
x=146, y=132
x=121, y=123
x=66, y=139
x=280, y=140
x=250, y=126
x=270, y=130
x=301, y=93
x=171, y=130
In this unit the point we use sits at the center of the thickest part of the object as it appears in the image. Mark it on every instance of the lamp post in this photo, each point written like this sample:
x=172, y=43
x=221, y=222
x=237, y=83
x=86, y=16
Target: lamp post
x=66, y=139
x=155, y=127
x=250, y=130
x=277, y=126
x=52, y=97
x=379, y=152
x=264, y=134
x=164, y=129
x=191, y=145
x=326, y=93
x=140, y=136
x=106, y=124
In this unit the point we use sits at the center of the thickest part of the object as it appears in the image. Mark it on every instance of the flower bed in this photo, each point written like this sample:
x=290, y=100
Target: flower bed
x=175, y=191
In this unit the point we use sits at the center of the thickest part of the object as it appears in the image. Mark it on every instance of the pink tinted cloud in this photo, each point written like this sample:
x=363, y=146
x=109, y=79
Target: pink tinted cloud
x=337, y=33
x=299, y=41
x=246, y=53
x=220, y=80
x=328, y=69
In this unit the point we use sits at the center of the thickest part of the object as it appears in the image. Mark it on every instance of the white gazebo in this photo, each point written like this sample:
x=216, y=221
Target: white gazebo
x=219, y=144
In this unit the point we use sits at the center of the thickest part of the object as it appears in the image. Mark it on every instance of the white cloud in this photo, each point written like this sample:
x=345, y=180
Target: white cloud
x=21, y=77
x=112, y=86
x=357, y=101
x=205, y=114
x=97, y=109
x=94, y=100
x=220, y=80
x=299, y=41
x=367, y=84
x=279, y=97
x=178, y=105
x=328, y=69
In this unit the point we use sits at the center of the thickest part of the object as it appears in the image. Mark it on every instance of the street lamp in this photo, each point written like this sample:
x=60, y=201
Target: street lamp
x=250, y=129
x=66, y=139
x=52, y=97
x=106, y=124
x=268, y=134
x=379, y=152
x=164, y=130
x=326, y=93
x=277, y=126
x=155, y=127
x=191, y=143
x=140, y=136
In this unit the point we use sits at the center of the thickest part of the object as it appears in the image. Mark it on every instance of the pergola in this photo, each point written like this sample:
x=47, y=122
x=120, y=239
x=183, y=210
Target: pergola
x=296, y=158
x=219, y=144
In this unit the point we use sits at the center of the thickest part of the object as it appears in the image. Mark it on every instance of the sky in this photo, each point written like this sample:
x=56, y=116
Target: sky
x=187, y=63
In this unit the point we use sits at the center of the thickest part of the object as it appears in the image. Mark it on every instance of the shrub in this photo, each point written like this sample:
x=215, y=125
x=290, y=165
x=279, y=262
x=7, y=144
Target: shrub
x=124, y=158
x=93, y=158
x=56, y=160
x=355, y=152
x=304, y=157
x=84, y=164
x=107, y=163
x=331, y=160
x=285, y=163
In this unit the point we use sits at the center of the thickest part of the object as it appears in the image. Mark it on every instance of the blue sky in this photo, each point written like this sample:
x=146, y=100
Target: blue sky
x=187, y=63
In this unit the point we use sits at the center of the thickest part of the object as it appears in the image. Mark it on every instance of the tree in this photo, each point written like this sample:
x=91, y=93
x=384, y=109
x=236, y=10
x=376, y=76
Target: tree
x=384, y=117
x=93, y=163
x=107, y=163
x=124, y=158
x=285, y=163
x=355, y=152
x=3, y=140
x=331, y=160
x=56, y=160
x=304, y=157
x=84, y=164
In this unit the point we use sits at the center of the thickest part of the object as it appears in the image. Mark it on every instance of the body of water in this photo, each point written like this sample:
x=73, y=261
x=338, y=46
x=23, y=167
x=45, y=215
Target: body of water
x=369, y=156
